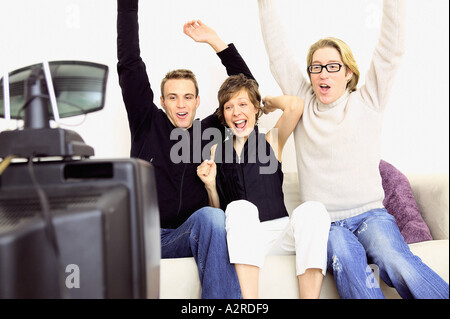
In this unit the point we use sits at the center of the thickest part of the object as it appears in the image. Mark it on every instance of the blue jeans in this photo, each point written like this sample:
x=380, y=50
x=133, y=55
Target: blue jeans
x=203, y=237
x=372, y=241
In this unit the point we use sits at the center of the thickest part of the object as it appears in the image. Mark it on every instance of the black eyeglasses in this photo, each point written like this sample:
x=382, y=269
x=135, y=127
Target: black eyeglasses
x=331, y=68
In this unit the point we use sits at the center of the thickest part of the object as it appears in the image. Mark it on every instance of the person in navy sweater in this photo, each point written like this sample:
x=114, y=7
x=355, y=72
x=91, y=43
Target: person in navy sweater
x=189, y=227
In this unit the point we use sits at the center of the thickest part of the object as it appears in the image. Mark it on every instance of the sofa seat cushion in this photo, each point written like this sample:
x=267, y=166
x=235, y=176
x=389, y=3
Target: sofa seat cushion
x=434, y=253
x=179, y=276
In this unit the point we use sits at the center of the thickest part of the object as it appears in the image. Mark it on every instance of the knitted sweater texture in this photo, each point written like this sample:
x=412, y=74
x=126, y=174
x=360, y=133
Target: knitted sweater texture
x=338, y=145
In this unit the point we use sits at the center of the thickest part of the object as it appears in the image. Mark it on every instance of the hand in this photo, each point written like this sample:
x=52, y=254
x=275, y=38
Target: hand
x=207, y=170
x=269, y=103
x=282, y=102
x=200, y=32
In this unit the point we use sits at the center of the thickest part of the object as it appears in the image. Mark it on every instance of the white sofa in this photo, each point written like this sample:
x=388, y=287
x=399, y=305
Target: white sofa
x=179, y=277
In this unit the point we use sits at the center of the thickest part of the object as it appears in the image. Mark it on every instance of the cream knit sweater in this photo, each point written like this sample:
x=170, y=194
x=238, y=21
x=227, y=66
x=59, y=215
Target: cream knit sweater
x=338, y=145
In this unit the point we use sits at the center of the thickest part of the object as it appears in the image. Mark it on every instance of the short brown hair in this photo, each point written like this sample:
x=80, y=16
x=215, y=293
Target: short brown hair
x=234, y=84
x=346, y=55
x=179, y=74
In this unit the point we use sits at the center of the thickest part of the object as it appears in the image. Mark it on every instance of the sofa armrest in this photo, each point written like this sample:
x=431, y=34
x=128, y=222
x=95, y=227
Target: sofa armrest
x=431, y=192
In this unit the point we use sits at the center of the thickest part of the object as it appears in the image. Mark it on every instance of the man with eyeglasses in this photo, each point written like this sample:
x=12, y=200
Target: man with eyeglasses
x=330, y=67
x=338, y=147
x=328, y=83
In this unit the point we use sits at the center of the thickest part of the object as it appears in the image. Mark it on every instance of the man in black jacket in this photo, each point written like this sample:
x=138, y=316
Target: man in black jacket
x=188, y=226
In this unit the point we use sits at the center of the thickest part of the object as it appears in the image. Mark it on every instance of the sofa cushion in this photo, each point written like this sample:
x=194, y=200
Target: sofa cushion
x=179, y=276
x=399, y=202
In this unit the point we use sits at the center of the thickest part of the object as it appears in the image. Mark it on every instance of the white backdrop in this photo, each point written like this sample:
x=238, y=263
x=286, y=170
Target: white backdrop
x=416, y=126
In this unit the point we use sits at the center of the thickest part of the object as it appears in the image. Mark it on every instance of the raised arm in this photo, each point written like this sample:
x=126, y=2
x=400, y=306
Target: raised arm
x=387, y=55
x=292, y=107
x=200, y=32
x=136, y=91
x=228, y=54
x=284, y=67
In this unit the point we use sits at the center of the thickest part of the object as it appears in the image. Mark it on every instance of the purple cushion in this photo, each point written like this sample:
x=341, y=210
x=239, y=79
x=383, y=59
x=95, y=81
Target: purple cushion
x=399, y=201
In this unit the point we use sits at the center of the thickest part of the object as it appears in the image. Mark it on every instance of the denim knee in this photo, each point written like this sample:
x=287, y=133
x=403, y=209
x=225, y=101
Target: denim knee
x=210, y=217
x=344, y=249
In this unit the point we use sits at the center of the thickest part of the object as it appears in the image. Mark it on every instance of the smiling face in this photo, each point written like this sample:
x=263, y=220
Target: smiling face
x=240, y=113
x=327, y=86
x=239, y=104
x=180, y=102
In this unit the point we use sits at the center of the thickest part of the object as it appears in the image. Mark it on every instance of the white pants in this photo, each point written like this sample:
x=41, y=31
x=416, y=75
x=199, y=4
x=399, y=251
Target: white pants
x=305, y=234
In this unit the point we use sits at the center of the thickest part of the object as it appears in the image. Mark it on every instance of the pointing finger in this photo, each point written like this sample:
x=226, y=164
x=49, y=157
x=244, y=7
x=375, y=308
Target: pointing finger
x=213, y=152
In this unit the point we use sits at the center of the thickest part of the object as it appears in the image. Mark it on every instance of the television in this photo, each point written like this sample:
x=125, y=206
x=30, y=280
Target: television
x=50, y=90
x=79, y=88
x=71, y=226
x=106, y=219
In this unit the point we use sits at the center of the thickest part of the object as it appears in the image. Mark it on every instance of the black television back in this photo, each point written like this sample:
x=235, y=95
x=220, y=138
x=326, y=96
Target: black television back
x=106, y=220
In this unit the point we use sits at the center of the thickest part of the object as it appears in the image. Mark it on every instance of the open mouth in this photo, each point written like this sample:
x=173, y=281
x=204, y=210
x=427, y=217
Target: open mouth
x=182, y=115
x=324, y=88
x=240, y=125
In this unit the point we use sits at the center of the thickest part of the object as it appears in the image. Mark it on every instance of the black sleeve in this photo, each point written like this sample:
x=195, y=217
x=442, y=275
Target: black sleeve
x=234, y=64
x=136, y=90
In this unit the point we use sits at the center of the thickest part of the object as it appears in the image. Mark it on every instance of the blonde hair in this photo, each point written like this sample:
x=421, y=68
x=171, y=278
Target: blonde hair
x=345, y=53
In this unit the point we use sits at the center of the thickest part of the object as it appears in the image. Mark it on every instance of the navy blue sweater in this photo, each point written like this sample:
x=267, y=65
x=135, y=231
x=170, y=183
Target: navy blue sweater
x=180, y=191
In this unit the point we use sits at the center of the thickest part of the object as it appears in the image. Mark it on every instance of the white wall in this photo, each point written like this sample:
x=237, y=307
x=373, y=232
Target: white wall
x=416, y=127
